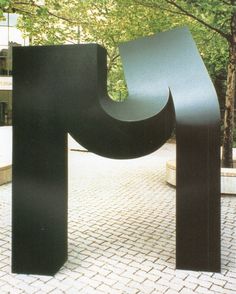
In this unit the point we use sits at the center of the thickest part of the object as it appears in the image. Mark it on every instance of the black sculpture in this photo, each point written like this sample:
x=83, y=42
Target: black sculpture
x=61, y=89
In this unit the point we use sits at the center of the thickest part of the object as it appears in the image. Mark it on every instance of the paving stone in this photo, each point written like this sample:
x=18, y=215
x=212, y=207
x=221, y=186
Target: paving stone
x=217, y=289
x=186, y=291
x=171, y=291
x=121, y=234
x=230, y=286
x=202, y=290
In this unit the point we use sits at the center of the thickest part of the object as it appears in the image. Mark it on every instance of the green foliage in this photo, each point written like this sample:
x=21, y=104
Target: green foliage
x=4, y=4
x=116, y=82
x=109, y=22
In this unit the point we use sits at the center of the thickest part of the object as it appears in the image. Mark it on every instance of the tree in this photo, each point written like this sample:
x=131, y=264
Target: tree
x=219, y=17
x=104, y=22
x=108, y=22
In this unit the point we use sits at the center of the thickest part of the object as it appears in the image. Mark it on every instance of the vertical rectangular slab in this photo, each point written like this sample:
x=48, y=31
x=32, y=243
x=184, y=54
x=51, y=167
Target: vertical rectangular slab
x=39, y=196
x=198, y=199
x=50, y=84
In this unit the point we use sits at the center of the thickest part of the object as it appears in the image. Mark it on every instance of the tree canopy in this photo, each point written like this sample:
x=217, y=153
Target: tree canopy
x=109, y=22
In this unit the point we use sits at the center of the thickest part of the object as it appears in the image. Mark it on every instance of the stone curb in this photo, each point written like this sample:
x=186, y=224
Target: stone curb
x=228, y=177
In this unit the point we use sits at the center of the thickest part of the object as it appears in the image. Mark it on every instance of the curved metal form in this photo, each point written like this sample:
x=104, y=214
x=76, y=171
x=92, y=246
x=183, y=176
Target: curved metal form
x=129, y=129
x=172, y=59
x=62, y=89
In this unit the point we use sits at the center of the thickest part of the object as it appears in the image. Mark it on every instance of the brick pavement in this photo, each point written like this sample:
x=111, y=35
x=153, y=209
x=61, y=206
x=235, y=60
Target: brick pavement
x=121, y=233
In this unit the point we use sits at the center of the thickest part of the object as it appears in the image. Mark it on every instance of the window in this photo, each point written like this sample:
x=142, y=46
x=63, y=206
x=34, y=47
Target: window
x=9, y=36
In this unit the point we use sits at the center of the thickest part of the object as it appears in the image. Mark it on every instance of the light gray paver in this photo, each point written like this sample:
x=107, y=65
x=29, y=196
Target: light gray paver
x=121, y=233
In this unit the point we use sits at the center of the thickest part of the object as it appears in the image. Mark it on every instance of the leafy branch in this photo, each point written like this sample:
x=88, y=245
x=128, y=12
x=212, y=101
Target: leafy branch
x=23, y=7
x=180, y=10
x=201, y=21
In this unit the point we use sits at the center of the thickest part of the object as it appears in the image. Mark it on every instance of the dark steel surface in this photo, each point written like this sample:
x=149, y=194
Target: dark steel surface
x=152, y=65
x=39, y=204
x=172, y=60
x=60, y=89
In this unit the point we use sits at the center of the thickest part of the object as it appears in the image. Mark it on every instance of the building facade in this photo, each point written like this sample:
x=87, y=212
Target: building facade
x=9, y=36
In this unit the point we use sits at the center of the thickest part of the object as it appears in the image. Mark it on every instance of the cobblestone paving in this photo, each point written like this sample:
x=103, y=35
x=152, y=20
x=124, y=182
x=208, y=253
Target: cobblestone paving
x=121, y=234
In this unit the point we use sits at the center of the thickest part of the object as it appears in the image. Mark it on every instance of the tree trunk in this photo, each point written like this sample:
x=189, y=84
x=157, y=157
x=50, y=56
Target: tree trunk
x=227, y=156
